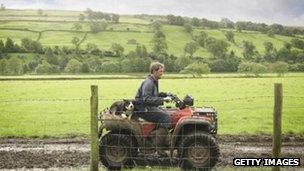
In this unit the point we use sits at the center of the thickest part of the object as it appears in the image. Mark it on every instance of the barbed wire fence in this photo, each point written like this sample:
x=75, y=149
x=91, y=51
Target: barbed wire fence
x=146, y=159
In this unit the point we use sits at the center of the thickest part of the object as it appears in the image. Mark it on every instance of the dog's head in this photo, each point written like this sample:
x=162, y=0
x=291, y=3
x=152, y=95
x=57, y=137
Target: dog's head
x=128, y=104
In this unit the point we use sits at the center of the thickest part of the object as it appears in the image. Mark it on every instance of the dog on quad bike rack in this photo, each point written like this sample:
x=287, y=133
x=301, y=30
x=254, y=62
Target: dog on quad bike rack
x=123, y=108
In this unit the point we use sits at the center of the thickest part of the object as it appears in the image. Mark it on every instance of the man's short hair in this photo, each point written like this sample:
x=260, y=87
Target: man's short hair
x=155, y=66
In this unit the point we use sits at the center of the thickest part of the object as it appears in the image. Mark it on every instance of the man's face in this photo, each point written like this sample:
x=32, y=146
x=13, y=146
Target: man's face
x=158, y=74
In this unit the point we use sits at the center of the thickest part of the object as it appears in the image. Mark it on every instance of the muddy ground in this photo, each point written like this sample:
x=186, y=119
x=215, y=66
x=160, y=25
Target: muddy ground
x=74, y=152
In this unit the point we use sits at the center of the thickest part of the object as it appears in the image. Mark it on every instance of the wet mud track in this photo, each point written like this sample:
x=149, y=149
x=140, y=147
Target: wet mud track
x=75, y=152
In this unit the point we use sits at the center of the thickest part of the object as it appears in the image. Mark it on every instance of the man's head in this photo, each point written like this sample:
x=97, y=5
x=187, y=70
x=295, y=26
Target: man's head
x=157, y=70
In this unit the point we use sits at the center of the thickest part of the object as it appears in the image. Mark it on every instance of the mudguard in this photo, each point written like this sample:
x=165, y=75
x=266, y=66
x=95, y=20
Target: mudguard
x=188, y=123
x=119, y=125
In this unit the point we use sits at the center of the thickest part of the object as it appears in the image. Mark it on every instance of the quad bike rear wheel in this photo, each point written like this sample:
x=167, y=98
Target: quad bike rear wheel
x=198, y=151
x=117, y=151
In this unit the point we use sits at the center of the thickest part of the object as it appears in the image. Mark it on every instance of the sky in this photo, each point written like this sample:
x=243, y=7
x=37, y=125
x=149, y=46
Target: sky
x=286, y=12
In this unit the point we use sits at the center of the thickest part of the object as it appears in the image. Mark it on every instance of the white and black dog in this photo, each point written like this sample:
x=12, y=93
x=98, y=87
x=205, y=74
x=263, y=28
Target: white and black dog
x=124, y=108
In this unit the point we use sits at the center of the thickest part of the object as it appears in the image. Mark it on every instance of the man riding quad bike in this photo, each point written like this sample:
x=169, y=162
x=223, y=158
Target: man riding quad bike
x=191, y=139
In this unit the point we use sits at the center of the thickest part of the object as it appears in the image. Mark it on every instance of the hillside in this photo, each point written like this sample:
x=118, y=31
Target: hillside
x=93, y=42
x=56, y=28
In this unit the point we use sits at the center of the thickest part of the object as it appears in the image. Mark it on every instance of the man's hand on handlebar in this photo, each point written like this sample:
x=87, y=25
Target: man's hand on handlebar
x=167, y=99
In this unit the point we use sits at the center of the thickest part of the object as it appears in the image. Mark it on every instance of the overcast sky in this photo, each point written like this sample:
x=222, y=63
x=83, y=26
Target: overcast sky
x=286, y=12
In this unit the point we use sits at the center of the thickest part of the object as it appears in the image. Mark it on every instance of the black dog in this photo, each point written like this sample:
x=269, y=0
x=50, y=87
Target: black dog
x=124, y=108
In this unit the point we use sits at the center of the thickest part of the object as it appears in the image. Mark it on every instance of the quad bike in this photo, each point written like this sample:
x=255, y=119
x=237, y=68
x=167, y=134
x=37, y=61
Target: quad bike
x=123, y=141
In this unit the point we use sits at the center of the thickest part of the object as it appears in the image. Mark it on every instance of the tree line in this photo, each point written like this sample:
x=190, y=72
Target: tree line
x=271, y=30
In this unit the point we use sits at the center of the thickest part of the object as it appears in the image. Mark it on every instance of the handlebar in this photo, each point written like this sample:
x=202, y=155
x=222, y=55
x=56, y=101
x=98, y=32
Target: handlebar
x=178, y=103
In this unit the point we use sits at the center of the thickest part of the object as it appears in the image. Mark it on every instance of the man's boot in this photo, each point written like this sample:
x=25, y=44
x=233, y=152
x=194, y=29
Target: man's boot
x=161, y=141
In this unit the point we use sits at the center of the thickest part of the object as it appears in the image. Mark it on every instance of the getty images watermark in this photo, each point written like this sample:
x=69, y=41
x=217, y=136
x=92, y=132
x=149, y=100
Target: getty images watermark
x=266, y=162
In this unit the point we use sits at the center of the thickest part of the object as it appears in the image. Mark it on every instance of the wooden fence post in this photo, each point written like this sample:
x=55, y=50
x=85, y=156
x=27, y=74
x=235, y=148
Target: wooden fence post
x=94, y=128
x=277, y=121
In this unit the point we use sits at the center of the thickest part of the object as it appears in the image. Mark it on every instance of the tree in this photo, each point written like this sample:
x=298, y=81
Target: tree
x=258, y=69
x=201, y=38
x=270, y=33
x=191, y=48
x=107, y=17
x=111, y=67
x=159, y=42
x=175, y=20
x=181, y=62
x=45, y=67
x=81, y=17
x=196, y=69
x=2, y=47
x=26, y=44
x=210, y=24
x=251, y=67
x=228, y=63
x=31, y=46
x=248, y=50
x=156, y=25
x=36, y=47
x=196, y=22
x=50, y=57
x=63, y=61
x=230, y=36
x=85, y=68
x=97, y=27
x=238, y=27
x=115, y=18
x=227, y=23
x=14, y=66
x=32, y=64
x=268, y=47
x=94, y=63
x=77, y=26
x=118, y=49
x=141, y=51
x=103, y=25
x=270, y=52
x=188, y=28
x=3, y=67
x=9, y=45
x=73, y=66
x=76, y=42
x=279, y=67
x=135, y=64
x=297, y=43
x=216, y=47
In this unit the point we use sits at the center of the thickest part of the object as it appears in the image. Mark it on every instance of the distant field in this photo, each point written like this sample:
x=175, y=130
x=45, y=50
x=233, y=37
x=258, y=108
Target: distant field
x=35, y=13
x=61, y=108
x=17, y=35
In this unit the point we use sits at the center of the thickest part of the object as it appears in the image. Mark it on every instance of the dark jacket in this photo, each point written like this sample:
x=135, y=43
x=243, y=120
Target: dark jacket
x=148, y=94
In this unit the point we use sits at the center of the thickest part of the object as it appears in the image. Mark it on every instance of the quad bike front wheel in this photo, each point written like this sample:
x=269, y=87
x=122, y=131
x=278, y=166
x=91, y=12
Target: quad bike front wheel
x=117, y=151
x=198, y=151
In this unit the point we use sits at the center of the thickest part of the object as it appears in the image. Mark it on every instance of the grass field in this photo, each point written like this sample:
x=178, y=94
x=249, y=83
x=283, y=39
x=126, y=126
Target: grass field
x=61, y=108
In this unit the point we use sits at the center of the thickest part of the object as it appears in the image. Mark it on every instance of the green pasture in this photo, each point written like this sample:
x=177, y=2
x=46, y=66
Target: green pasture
x=40, y=26
x=17, y=35
x=104, y=40
x=131, y=19
x=129, y=28
x=55, y=38
x=61, y=108
x=30, y=12
x=256, y=38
